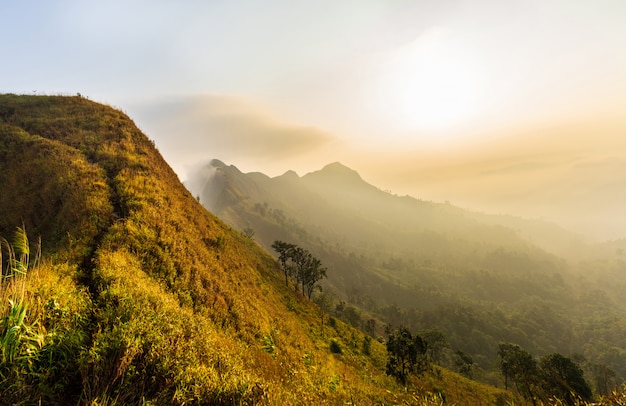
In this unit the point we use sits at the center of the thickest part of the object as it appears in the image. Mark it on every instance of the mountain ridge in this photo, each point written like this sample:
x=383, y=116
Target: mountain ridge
x=400, y=260
x=336, y=169
x=345, y=184
x=142, y=296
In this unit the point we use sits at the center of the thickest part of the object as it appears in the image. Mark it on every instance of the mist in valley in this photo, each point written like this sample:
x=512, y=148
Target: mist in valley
x=458, y=167
x=478, y=278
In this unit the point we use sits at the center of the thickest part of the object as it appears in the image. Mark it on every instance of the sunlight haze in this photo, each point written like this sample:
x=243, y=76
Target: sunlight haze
x=505, y=107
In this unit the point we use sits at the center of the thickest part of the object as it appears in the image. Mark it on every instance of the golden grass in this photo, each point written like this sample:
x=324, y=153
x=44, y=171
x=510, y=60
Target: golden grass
x=151, y=298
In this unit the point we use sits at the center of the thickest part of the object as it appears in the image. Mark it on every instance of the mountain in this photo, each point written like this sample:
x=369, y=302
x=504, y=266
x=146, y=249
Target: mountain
x=317, y=196
x=141, y=296
x=481, y=279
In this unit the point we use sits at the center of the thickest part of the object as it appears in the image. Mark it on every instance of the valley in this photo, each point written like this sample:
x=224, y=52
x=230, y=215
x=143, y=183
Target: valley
x=476, y=278
x=119, y=287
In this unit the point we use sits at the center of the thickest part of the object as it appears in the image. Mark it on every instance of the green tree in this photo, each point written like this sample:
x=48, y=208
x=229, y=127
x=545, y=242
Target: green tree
x=301, y=265
x=563, y=378
x=519, y=367
x=436, y=342
x=311, y=274
x=464, y=363
x=285, y=253
x=324, y=303
x=370, y=326
x=301, y=259
x=352, y=316
x=604, y=378
x=405, y=354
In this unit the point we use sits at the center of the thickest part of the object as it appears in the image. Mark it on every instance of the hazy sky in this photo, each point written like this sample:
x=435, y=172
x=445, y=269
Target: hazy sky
x=486, y=103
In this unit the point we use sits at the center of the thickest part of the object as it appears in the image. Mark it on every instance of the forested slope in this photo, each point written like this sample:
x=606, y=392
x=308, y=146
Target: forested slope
x=141, y=295
x=479, y=279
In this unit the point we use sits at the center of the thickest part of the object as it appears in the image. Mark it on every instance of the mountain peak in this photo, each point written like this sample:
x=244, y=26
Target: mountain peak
x=336, y=167
x=337, y=176
x=338, y=170
x=288, y=178
x=290, y=175
x=216, y=163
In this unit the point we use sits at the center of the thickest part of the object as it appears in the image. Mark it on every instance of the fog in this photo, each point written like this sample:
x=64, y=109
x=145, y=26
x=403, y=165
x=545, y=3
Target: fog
x=572, y=174
x=513, y=107
x=190, y=131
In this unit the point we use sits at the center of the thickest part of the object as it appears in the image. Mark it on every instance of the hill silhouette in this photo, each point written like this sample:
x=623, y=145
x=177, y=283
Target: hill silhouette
x=480, y=279
x=142, y=296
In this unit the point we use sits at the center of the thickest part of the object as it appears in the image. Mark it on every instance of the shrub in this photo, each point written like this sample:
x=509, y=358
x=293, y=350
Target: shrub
x=335, y=348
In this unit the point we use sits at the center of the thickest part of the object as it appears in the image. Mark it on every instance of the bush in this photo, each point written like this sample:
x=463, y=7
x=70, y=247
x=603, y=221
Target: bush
x=335, y=348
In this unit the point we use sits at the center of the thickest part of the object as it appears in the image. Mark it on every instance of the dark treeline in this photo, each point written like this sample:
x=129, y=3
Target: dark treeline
x=549, y=379
x=553, y=376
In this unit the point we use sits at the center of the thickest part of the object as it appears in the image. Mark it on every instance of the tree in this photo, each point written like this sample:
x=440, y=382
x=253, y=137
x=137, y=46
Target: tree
x=436, y=342
x=302, y=260
x=604, y=378
x=562, y=378
x=464, y=362
x=285, y=253
x=309, y=270
x=352, y=316
x=555, y=375
x=324, y=303
x=519, y=367
x=405, y=354
x=301, y=265
x=370, y=326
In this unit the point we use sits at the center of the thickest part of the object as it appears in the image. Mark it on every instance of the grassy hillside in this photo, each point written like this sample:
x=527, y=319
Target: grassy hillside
x=480, y=279
x=142, y=296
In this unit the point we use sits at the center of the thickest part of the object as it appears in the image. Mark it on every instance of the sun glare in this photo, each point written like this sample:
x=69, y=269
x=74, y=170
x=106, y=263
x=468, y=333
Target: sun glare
x=428, y=84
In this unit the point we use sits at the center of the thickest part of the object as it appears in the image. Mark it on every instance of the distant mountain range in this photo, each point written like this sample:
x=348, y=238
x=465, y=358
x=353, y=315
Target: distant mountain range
x=480, y=278
x=573, y=174
x=336, y=199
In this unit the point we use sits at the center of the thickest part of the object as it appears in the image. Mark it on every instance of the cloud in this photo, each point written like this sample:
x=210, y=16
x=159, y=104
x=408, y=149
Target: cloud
x=227, y=123
x=574, y=175
x=192, y=129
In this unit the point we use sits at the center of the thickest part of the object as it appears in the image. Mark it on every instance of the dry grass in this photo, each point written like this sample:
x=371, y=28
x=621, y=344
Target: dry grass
x=152, y=299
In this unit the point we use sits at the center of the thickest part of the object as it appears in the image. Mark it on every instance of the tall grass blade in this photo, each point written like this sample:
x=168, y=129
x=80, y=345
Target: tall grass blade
x=20, y=241
x=13, y=330
x=21, y=247
x=7, y=271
